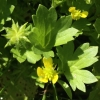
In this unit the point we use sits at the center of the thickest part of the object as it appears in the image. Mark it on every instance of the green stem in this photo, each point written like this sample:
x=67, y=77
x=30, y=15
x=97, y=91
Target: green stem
x=44, y=94
x=55, y=96
x=52, y=4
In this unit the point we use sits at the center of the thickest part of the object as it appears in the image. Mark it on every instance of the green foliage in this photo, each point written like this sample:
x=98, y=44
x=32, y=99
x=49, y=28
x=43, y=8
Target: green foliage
x=66, y=87
x=14, y=90
x=42, y=35
x=6, y=8
x=76, y=62
x=31, y=30
x=96, y=25
x=65, y=36
x=16, y=33
x=32, y=57
x=95, y=93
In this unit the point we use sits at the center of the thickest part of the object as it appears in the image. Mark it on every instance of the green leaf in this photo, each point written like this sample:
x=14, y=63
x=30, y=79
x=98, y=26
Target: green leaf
x=66, y=88
x=72, y=83
x=40, y=84
x=48, y=54
x=81, y=4
x=4, y=53
x=55, y=93
x=46, y=28
x=65, y=51
x=95, y=94
x=44, y=96
x=96, y=25
x=65, y=36
x=6, y=8
x=89, y=1
x=18, y=55
x=72, y=63
x=2, y=90
x=32, y=57
x=85, y=75
x=76, y=82
x=96, y=69
x=56, y=3
x=82, y=25
x=97, y=4
x=63, y=23
x=12, y=8
x=44, y=22
x=36, y=50
x=80, y=77
x=83, y=57
x=1, y=27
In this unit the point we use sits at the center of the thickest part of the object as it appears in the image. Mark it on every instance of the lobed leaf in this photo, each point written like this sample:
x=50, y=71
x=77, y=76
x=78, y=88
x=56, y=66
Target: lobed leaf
x=48, y=31
x=44, y=22
x=65, y=36
x=83, y=57
x=32, y=57
x=73, y=63
x=18, y=55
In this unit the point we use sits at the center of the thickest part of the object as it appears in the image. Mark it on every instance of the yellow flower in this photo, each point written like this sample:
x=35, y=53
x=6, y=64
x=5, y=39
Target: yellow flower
x=77, y=14
x=47, y=73
x=84, y=14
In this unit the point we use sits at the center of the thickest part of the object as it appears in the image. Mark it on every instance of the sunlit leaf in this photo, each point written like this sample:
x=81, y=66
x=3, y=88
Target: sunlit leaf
x=32, y=57
x=49, y=31
x=65, y=36
x=72, y=64
x=18, y=55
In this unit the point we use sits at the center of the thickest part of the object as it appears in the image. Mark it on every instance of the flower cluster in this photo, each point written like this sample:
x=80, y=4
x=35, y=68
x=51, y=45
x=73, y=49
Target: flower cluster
x=16, y=33
x=77, y=14
x=47, y=72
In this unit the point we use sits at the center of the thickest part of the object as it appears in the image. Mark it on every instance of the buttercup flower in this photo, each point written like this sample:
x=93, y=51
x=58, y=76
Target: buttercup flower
x=77, y=14
x=47, y=72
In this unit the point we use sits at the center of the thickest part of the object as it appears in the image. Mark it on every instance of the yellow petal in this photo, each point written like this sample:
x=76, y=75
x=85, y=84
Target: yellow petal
x=48, y=62
x=44, y=80
x=55, y=78
x=71, y=9
x=84, y=14
x=40, y=72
